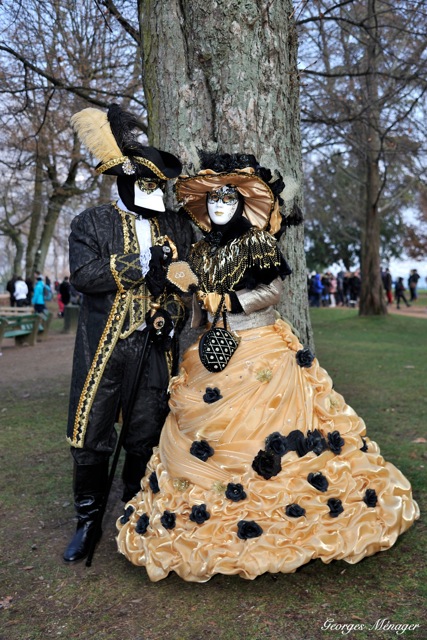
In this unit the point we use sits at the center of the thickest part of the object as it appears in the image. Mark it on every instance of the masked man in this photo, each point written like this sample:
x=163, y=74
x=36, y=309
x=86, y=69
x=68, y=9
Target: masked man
x=119, y=253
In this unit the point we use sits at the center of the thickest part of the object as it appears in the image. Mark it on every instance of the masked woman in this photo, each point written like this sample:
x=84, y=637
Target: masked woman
x=261, y=465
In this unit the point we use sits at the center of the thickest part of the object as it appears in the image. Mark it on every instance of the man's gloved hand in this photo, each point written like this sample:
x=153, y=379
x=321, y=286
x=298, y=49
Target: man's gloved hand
x=155, y=278
x=161, y=327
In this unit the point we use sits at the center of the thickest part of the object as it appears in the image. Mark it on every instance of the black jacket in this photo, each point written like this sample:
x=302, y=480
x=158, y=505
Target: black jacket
x=105, y=268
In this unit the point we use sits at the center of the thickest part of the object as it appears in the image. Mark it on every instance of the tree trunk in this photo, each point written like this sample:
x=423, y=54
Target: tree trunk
x=19, y=252
x=30, y=256
x=53, y=210
x=226, y=79
x=372, y=299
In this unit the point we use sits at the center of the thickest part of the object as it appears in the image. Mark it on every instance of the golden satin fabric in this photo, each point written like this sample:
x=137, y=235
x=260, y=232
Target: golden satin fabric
x=264, y=390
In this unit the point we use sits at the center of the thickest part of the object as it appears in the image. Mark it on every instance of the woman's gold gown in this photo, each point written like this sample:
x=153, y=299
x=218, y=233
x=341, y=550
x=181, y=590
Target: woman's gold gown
x=366, y=505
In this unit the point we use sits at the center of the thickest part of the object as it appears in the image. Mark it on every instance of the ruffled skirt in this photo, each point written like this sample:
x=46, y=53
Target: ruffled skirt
x=261, y=468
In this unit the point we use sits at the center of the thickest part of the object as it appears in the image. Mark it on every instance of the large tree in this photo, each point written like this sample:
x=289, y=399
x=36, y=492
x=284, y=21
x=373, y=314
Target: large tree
x=365, y=88
x=226, y=79
x=56, y=58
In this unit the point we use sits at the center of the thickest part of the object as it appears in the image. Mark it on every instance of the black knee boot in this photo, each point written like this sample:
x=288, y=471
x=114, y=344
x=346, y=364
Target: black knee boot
x=133, y=471
x=89, y=483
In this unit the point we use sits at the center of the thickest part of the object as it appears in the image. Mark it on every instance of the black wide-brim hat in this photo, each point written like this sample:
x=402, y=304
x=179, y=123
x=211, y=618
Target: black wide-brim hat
x=148, y=162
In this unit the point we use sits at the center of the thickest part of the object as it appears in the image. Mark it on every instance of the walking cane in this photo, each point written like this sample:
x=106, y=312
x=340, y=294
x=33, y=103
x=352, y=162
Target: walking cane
x=158, y=324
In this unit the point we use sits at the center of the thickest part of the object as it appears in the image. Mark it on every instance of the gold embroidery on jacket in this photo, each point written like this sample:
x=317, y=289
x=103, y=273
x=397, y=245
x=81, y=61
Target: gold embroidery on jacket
x=106, y=345
x=139, y=302
x=136, y=301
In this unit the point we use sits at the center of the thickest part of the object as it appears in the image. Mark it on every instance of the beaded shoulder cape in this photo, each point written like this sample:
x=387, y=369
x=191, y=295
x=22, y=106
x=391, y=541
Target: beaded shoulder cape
x=220, y=269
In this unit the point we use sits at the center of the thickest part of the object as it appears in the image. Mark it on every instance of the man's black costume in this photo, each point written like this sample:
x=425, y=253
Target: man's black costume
x=123, y=294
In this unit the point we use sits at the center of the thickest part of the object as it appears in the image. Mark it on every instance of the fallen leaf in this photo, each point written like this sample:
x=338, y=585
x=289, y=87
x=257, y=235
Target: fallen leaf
x=5, y=602
x=356, y=618
x=419, y=440
x=29, y=568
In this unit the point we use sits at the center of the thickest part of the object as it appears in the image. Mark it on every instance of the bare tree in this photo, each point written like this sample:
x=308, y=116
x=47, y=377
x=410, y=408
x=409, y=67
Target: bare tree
x=364, y=95
x=58, y=58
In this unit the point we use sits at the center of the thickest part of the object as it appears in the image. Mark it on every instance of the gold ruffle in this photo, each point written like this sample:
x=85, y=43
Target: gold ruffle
x=253, y=406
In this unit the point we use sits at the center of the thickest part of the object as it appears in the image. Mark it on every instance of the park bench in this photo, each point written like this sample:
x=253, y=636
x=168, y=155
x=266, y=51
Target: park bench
x=20, y=324
x=23, y=327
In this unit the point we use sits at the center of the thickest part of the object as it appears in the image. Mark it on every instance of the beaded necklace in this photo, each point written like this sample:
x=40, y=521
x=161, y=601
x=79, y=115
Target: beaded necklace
x=221, y=269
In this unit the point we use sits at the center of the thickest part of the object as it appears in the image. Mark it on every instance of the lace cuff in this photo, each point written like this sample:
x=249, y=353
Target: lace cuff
x=144, y=259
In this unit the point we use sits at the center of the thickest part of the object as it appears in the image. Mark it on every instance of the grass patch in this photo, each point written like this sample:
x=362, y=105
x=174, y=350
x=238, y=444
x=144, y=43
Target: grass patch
x=378, y=364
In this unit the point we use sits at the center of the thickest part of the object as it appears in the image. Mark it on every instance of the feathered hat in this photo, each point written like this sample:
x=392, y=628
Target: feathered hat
x=242, y=171
x=111, y=138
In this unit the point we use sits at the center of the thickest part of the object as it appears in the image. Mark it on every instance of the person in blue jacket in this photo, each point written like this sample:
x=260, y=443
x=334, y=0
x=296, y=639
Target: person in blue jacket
x=38, y=296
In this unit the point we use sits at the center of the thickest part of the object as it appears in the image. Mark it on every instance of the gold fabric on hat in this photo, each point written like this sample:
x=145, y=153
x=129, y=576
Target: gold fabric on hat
x=264, y=391
x=191, y=191
x=122, y=159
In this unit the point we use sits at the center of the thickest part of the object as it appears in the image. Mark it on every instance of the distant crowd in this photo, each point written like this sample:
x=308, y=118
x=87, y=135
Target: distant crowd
x=37, y=291
x=343, y=289
x=324, y=290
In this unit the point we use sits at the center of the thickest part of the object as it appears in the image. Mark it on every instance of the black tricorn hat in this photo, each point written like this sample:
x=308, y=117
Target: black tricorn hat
x=111, y=138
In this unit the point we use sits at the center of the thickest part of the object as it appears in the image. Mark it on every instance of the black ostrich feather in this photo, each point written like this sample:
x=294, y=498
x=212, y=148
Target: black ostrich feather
x=123, y=125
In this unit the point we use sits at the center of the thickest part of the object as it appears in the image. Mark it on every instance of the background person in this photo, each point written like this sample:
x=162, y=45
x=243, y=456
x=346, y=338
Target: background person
x=21, y=292
x=38, y=299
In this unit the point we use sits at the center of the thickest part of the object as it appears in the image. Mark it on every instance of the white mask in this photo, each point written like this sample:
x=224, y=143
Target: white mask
x=148, y=195
x=222, y=204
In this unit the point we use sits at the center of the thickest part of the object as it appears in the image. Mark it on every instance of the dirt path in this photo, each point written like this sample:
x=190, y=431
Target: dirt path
x=44, y=364
x=50, y=361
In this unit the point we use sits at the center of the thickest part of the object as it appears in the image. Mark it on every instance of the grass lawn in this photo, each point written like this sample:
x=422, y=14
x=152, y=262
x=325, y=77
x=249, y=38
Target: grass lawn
x=378, y=364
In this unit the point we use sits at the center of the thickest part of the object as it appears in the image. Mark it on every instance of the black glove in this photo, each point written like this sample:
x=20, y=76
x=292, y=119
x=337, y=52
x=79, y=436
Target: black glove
x=160, y=326
x=155, y=278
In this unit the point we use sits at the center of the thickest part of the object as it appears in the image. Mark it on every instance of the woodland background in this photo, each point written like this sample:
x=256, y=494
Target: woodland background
x=359, y=66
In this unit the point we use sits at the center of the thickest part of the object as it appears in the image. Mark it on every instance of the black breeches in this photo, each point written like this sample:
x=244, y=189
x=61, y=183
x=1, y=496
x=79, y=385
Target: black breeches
x=149, y=411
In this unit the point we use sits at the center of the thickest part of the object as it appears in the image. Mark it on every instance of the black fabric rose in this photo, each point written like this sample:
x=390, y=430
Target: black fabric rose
x=315, y=442
x=212, y=395
x=126, y=514
x=335, y=442
x=154, y=485
x=235, y=492
x=201, y=449
x=199, y=514
x=248, y=529
x=267, y=464
x=295, y=511
x=335, y=507
x=318, y=481
x=305, y=358
x=365, y=446
x=276, y=443
x=142, y=524
x=302, y=445
x=296, y=442
x=214, y=238
x=370, y=498
x=168, y=520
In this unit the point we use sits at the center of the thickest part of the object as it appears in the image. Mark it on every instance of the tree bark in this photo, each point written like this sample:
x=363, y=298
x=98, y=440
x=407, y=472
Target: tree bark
x=30, y=256
x=225, y=78
x=372, y=299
